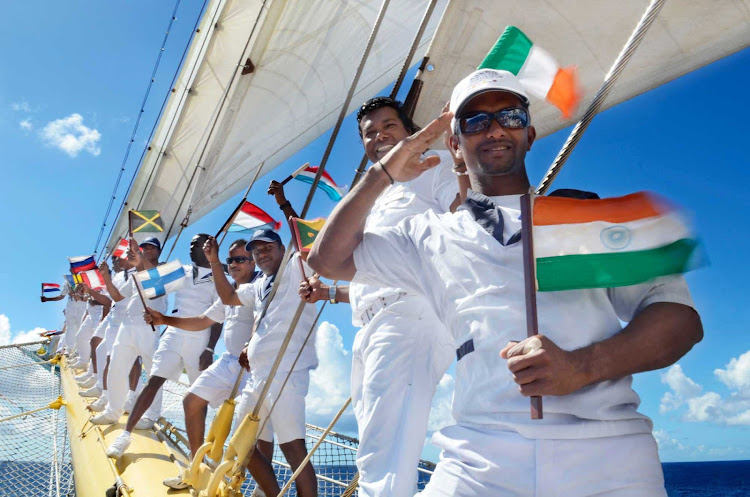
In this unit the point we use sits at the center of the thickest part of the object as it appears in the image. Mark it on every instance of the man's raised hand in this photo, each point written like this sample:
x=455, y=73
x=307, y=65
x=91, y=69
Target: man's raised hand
x=211, y=249
x=403, y=163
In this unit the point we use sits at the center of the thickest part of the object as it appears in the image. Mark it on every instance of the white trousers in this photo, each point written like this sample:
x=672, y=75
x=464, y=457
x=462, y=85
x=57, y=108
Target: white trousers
x=397, y=361
x=104, y=350
x=72, y=323
x=480, y=462
x=132, y=341
x=83, y=339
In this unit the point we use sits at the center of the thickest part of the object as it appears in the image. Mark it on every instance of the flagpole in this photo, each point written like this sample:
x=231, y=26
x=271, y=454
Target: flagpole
x=135, y=278
x=299, y=249
x=239, y=206
x=529, y=274
x=295, y=173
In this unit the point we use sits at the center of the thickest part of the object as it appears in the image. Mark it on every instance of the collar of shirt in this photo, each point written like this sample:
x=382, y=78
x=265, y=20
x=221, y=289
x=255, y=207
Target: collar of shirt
x=485, y=212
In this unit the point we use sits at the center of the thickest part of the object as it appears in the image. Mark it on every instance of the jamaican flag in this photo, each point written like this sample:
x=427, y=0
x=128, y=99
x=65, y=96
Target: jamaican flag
x=146, y=222
x=305, y=231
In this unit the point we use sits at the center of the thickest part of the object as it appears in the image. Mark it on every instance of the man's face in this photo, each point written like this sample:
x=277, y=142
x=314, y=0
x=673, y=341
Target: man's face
x=151, y=253
x=267, y=256
x=241, y=272
x=196, y=251
x=382, y=130
x=496, y=151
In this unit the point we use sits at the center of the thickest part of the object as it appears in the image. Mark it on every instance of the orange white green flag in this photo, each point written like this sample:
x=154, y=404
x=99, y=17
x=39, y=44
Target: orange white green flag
x=536, y=69
x=609, y=242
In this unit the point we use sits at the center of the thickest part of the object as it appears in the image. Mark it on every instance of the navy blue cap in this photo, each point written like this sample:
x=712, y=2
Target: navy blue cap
x=263, y=236
x=152, y=240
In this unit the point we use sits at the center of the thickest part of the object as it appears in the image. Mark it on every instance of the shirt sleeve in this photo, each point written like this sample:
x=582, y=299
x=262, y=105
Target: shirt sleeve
x=445, y=184
x=246, y=292
x=217, y=312
x=628, y=301
x=387, y=257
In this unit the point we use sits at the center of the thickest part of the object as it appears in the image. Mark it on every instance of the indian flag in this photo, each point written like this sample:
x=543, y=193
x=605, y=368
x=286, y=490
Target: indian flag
x=250, y=218
x=305, y=232
x=326, y=183
x=537, y=70
x=609, y=242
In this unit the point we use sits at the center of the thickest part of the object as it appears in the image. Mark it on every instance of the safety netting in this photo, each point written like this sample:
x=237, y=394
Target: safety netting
x=34, y=449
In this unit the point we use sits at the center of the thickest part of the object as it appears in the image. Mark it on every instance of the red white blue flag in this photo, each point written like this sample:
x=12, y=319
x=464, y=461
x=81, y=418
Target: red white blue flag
x=250, y=218
x=50, y=287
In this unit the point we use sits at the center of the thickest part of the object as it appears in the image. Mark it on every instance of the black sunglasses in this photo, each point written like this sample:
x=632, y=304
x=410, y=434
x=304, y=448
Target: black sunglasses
x=514, y=118
x=238, y=260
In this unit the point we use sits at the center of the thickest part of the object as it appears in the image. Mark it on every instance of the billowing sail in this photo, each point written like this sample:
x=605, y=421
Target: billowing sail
x=685, y=36
x=303, y=57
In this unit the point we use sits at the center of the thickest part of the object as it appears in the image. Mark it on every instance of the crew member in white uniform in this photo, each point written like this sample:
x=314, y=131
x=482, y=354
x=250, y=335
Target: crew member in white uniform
x=98, y=307
x=134, y=337
x=75, y=310
x=402, y=350
x=215, y=384
x=108, y=332
x=287, y=421
x=592, y=440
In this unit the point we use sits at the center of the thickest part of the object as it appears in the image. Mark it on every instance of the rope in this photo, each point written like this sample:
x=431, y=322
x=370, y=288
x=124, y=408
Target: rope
x=315, y=447
x=342, y=113
x=27, y=364
x=153, y=128
x=137, y=123
x=55, y=404
x=635, y=39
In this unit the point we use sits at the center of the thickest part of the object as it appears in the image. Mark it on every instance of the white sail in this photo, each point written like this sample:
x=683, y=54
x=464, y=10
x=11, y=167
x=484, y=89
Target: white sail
x=305, y=54
x=686, y=35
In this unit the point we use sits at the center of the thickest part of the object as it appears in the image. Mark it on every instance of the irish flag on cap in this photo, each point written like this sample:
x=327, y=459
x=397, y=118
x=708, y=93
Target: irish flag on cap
x=537, y=70
x=609, y=242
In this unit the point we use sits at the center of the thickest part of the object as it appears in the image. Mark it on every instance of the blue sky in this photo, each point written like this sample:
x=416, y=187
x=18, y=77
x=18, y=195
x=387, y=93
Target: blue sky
x=84, y=67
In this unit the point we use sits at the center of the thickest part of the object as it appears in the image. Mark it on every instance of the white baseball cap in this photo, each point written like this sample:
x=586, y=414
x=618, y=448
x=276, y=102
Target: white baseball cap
x=482, y=81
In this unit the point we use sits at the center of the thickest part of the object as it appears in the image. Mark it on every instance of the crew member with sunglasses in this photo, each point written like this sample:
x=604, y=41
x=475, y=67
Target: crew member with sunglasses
x=215, y=384
x=592, y=440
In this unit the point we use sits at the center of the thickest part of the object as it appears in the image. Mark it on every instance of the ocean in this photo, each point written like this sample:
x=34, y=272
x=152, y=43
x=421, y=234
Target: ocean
x=707, y=479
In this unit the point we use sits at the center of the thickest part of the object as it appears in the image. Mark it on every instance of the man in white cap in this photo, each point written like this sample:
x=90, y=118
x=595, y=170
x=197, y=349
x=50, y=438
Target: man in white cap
x=402, y=349
x=134, y=337
x=287, y=420
x=592, y=440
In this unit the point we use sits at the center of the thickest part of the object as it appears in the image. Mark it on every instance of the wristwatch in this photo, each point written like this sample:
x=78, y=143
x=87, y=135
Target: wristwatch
x=332, y=294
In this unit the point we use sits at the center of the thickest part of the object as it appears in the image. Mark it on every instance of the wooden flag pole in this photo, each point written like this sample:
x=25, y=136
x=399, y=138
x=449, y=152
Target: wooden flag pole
x=135, y=278
x=299, y=249
x=295, y=173
x=529, y=273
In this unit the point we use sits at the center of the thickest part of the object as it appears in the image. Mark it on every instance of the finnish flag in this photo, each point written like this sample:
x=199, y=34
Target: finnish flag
x=162, y=279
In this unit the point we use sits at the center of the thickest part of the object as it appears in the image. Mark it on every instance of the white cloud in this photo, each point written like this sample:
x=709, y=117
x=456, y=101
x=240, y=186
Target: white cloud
x=737, y=372
x=22, y=106
x=440, y=414
x=7, y=338
x=665, y=441
x=70, y=135
x=26, y=125
x=330, y=381
x=732, y=409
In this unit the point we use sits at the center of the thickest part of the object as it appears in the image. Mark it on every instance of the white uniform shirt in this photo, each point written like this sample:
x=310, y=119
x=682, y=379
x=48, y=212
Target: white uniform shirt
x=435, y=189
x=265, y=343
x=74, y=311
x=476, y=287
x=134, y=308
x=238, y=323
x=117, y=311
x=196, y=295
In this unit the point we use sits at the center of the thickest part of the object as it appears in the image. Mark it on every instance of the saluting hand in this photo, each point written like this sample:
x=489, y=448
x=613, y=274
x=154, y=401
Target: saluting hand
x=403, y=163
x=211, y=250
x=541, y=368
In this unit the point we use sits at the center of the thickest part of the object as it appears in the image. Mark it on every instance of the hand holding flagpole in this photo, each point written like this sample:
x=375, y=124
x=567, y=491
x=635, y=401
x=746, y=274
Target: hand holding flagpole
x=135, y=252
